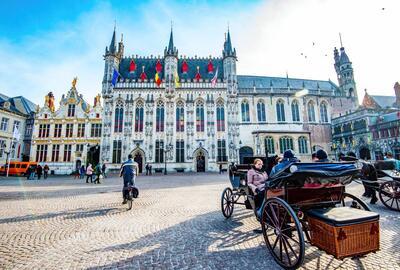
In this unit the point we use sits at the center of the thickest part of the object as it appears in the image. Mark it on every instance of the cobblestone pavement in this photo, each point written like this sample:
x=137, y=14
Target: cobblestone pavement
x=176, y=223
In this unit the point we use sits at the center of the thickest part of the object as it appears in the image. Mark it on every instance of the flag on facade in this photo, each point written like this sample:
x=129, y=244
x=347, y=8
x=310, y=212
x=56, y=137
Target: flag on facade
x=214, y=79
x=176, y=78
x=16, y=134
x=114, y=77
x=157, y=79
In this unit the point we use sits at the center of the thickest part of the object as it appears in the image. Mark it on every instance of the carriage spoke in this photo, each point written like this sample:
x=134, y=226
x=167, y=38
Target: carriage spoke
x=287, y=237
x=275, y=226
x=276, y=241
x=286, y=251
x=274, y=215
x=391, y=205
x=294, y=253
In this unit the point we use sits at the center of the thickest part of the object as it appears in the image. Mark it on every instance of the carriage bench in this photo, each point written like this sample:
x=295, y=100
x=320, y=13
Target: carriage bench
x=344, y=231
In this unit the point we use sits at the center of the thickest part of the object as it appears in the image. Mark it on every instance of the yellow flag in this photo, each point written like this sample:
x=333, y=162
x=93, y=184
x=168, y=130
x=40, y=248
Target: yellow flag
x=157, y=79
x=177, y=83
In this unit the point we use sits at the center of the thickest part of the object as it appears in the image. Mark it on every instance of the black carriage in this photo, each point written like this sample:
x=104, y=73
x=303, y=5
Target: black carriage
x=301, y=205
x=388, y=184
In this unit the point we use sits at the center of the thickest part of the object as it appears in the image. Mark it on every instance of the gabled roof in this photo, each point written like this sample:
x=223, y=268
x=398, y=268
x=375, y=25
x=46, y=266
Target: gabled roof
x=18, y=104
x=385, y=101
x=264, y=82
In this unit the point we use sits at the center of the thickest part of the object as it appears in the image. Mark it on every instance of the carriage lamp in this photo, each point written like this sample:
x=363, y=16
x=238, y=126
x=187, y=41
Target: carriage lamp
x=293, y=168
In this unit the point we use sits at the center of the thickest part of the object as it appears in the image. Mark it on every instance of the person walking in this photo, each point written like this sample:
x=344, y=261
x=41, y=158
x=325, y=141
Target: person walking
x=147, y=168
x=103, y=170
x=220, y=168
x=97, y=171
x=39, y=171
x=129, y=171
x=28, y=173
x=32, y=173
x=89, y=173
x=46, y=171
x=82, y=171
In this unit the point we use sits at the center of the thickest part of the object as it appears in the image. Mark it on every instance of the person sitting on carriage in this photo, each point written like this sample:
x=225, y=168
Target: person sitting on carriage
x=288, y=158
x=256, y=179
x=322, y=156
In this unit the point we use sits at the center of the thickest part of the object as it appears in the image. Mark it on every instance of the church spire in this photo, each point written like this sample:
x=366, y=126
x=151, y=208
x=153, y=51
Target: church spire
x=171, y=49
x=228, y=50
x=113, y=47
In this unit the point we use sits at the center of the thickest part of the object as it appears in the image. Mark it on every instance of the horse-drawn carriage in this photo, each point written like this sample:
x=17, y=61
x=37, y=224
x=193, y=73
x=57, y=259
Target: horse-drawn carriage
x=307, y=202
x=387, y=183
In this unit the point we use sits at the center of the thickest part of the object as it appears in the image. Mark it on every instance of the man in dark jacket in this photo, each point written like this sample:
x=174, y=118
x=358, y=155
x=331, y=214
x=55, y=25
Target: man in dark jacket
x=39, y=171
x=129, y=170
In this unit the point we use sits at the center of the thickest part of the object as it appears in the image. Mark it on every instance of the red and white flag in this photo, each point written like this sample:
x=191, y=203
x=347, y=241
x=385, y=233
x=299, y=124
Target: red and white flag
x=214, y=79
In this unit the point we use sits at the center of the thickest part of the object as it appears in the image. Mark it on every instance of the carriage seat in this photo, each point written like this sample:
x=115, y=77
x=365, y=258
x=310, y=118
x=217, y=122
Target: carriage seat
x=342, y=216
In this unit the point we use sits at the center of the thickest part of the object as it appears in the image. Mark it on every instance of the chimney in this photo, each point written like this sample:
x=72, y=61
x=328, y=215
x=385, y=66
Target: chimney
x=397, y=93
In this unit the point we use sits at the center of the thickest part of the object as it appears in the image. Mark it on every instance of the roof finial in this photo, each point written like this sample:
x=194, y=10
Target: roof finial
x=228, y=26
x=115, y=24
x=340, y=37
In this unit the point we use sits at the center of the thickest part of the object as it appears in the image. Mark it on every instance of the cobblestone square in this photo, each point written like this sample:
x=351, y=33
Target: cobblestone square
x=176, y=223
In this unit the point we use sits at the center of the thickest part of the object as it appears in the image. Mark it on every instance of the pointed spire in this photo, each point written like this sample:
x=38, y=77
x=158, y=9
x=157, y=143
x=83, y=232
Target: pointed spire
x=171, y=50
x=228, y=51
x=113, y=46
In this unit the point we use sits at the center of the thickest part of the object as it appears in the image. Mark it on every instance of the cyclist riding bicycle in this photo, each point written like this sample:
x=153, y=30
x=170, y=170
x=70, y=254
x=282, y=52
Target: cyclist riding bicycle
x=129, y=171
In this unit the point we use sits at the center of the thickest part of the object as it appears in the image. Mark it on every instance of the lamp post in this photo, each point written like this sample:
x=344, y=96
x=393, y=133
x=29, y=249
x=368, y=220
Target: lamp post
x=167, y=149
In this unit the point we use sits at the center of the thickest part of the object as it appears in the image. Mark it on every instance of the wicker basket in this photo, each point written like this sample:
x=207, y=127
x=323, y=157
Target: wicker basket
x=345, y=241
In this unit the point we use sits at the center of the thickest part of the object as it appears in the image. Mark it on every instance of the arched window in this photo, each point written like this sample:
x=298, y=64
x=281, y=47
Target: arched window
x=261, y=111
x=280, y=111
x=245, y=111
x=269, y=145
x=303, y=148
x=139, y=111
x=295, y=111
x=200, y=116
x=323, y=112
x=285, y=143
x=311, y=111
x=160, y=117
x=220, y=116
x=180, y=117
x=119, y=117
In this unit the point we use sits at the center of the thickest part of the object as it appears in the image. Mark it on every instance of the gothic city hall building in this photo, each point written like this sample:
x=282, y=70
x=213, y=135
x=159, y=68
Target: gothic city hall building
x=195, y=113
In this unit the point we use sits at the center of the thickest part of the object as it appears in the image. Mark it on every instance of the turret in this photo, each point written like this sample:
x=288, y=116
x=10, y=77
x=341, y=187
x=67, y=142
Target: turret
x=229, y=61
x=170, y=65
x=344, y=71
x=112, y=59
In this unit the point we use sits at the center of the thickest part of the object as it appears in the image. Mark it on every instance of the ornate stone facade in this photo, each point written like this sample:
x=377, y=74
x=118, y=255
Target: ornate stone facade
x=67, y=137
x=195, y=113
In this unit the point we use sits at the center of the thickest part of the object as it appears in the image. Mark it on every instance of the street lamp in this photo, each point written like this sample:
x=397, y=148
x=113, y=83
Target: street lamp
x=167, y=149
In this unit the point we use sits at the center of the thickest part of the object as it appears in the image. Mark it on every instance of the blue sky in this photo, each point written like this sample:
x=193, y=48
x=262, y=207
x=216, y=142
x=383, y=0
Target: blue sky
x=44, y=44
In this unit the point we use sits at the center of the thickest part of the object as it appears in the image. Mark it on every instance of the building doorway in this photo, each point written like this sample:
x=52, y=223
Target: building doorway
x=138, y=158
x=93, y=155
x=200, y=162
x=78, y=164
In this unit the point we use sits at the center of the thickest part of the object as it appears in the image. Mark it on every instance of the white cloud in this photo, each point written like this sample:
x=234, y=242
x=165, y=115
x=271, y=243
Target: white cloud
x=269, y=39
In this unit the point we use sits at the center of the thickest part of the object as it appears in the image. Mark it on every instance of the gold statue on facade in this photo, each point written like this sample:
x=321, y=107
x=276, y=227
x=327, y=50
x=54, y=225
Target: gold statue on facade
x=74, y=82
x=97, y=100
x=49, y=101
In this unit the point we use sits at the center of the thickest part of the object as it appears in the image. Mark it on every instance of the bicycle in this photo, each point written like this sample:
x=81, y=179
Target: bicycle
x=132, y=193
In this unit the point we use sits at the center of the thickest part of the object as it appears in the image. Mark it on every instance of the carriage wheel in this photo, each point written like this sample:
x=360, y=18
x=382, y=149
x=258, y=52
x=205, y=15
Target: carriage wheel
x=283, y=233
x=389, y=193
x=354, y=202
x=227, y=202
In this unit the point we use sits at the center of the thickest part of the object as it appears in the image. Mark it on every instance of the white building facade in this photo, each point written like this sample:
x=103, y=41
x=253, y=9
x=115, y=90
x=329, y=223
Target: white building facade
x=192, y=114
